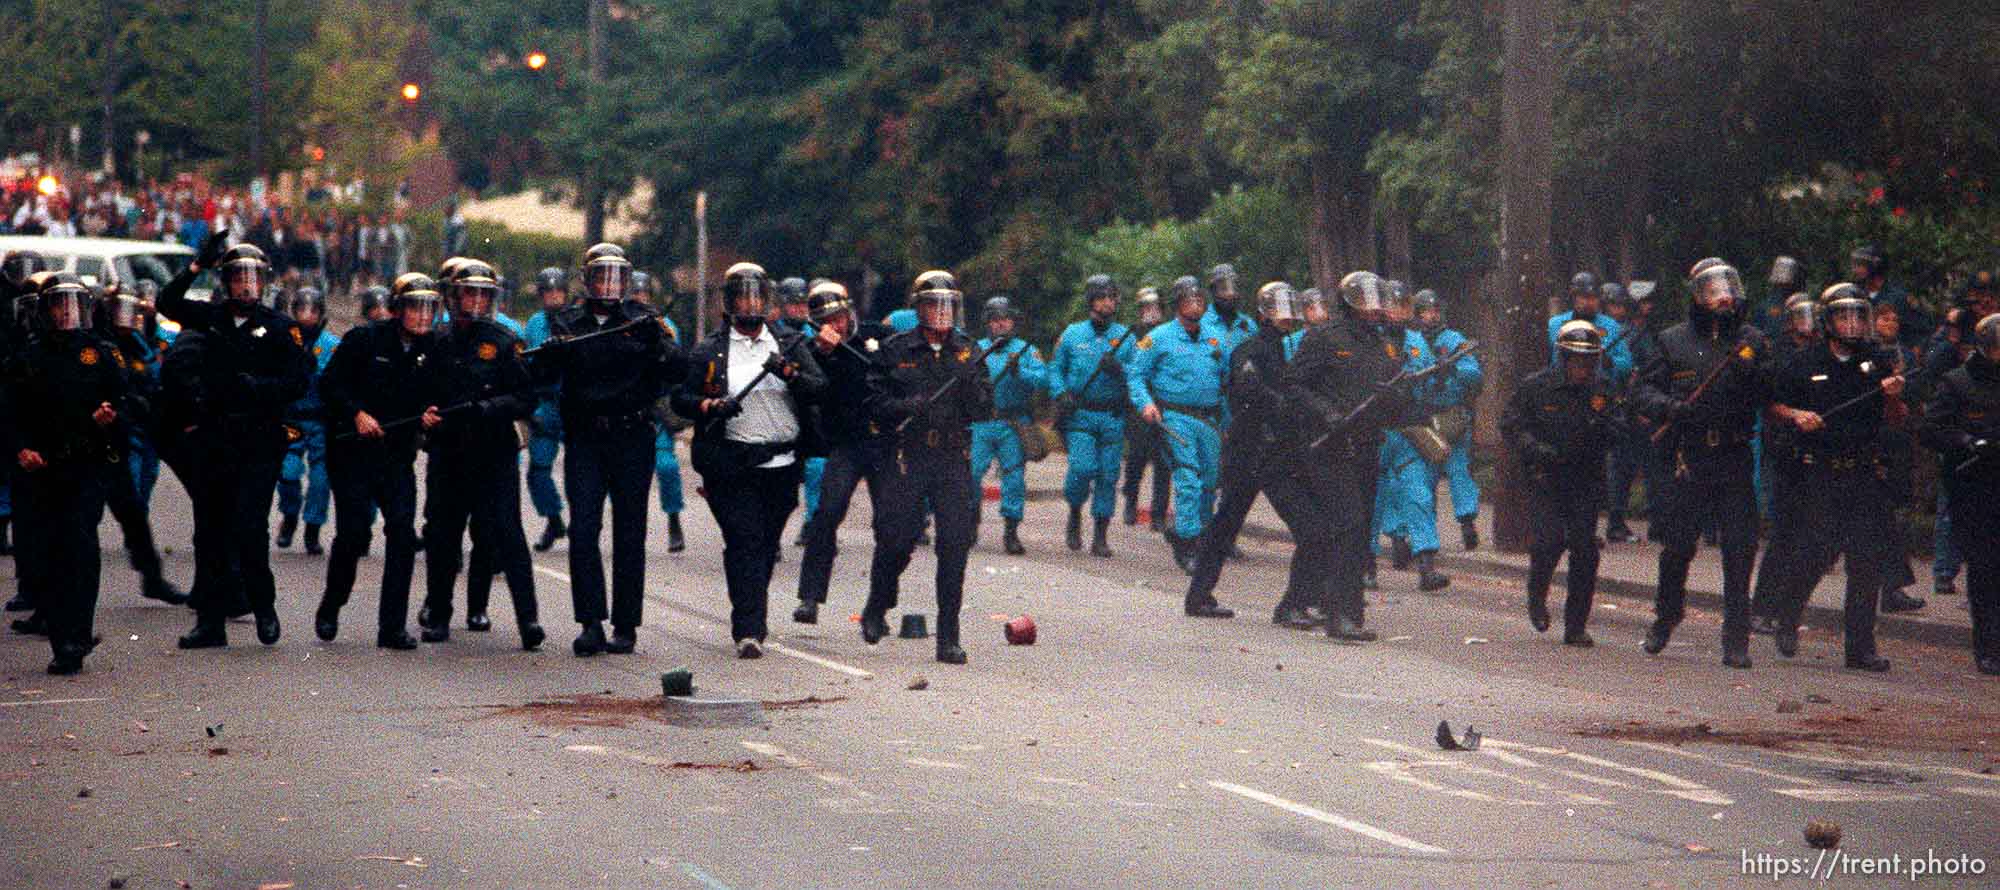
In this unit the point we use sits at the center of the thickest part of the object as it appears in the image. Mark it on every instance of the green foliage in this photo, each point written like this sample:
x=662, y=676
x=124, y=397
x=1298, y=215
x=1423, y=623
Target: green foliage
x=516, y=255
x=1255, y=230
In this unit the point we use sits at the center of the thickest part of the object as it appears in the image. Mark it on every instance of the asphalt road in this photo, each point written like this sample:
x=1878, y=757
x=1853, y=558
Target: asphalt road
x=1129, y=747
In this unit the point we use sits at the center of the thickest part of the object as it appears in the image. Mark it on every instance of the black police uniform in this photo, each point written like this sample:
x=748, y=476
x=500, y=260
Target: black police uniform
x=1706, y=466
x=60, y=380
x=933, y=462
x=251, y=369
x=376, y=370
x=1258, y=456
x=1561, y=431
x=123, y=501
x=481, y=385
x=855, y=448
x=1962, y=423
x=608, y=387
x=1842, y=490
x=1337, y=367
x=751, y=502
x=1783, y=475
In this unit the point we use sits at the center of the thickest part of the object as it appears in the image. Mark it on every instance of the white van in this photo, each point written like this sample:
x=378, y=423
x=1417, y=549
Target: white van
x=111, y=261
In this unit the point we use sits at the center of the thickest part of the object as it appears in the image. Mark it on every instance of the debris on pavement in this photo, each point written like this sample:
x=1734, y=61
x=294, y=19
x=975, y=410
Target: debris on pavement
x=1814, y=698
x=1449, y=742
x=679, y=681
x=215, y=730
x=1021, y=631
x=1788, y=706
x=1475, y=641
x=83, y=792
x=806, y=702
x=412, y=861
x=1822, y=834
x=919, y=684
x=165, y=846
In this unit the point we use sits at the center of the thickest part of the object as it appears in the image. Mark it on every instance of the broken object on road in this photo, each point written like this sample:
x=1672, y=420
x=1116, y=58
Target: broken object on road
x=1822, y=834
x=1021, y=631
x=1447, y=741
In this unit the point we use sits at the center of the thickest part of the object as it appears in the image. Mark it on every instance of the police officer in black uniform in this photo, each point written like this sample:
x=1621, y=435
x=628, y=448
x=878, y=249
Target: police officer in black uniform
x=1560, y=423
x=375, y=392
x=1258, y=457
x=608, y=383
x=120, y=321
x=17, y=312
x=1337, y=370
x=1799, y=328
x=746, y=442
x=1962, y=422
x=254, y=365
x=929, y=387
x=480, y=386
x=1704, y=393
x=69, y=389
x=1841, y=479
x=856, y=448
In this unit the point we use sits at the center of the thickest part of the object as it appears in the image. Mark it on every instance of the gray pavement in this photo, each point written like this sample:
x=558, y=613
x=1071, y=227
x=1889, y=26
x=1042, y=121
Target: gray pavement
x=1129, y=747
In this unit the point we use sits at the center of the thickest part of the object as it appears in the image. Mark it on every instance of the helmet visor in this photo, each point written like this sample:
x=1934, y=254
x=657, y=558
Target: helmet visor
x=937, y=310
x=473, y=300
x=418, y=311
x=244, y=281
x=1719, y=290
x=64, y=308
x=126, y=314
x=608, y=281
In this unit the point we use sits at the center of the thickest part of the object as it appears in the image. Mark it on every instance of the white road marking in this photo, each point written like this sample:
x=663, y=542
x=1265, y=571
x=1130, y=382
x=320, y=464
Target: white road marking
x=1518, y=760
x=1850, y=795
x=703, y=878
x=1337, y=821
x=934, y=764
x=1727, y=764
x=1400, y=772
x=1462, y=766
x=1975, y=792
x=1684, y=789
x=49, y=701
x=781, y=649
x=1889, y=764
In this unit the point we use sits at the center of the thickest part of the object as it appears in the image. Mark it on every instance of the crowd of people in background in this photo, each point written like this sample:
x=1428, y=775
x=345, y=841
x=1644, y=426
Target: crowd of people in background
x=330, y=244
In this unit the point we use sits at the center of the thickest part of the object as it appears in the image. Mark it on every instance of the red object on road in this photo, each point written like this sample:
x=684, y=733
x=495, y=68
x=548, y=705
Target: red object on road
x=1021, y=631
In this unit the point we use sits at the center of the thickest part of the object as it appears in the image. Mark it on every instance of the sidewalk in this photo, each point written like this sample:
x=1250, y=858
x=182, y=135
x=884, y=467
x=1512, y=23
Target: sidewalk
x=1626, y=571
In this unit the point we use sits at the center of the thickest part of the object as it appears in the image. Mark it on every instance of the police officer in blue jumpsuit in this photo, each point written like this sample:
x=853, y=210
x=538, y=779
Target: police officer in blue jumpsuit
x=145, y=453
x=795, y=315
x=1222, y=313
x=1459, y=389
x=1175, y=380
x=1585, y=305
x=552, y=287
x=1017, y=373
x=305, y=460
x=1086, y=378
x=1406, y=493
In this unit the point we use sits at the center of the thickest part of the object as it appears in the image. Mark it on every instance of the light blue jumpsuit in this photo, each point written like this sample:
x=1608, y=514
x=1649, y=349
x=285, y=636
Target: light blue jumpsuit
x=1095, y=438
x=1175, y=367
x=995, y=440
x=1460, y=387
x=904, y=319
x=547, y=438
x=1406, y=493
x=305, y=460
x=667, y=462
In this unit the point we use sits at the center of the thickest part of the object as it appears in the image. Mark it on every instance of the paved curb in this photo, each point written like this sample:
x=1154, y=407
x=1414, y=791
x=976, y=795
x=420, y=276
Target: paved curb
x=1933, y=633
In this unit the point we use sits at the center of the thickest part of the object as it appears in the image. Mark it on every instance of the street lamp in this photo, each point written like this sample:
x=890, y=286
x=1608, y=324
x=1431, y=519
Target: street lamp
x=411, y=91
x=536, y=60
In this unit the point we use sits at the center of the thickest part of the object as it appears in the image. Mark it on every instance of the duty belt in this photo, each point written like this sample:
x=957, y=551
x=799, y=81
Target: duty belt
x=1714, y=437
x=1867, y=460
x=605, y=423
x=1209, y=414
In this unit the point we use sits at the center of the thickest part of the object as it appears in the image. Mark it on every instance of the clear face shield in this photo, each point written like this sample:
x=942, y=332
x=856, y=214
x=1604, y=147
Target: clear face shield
x=937, y=310
x=418, y=311
x=65, y=308
x=1281, y=307
x=1719, y=290
x=471, y=302
x=244, y=281
x=1222, y=291
x=1986, y=336
x=608, y=282
x=1802, y=318
x=1367, y=295
x=126, y=313
x=1851, y=321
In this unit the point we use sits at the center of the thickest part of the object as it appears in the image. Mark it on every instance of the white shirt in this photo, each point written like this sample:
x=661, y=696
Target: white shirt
x=768, y=415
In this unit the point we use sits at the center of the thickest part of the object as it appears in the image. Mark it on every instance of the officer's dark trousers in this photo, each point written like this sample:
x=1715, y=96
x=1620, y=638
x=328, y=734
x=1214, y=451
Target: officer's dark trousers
x=846, y=467
x=1783, y=545
x=1244, y=472
x=121, y=497
x=1629, y=460
x=612, y=462
x=1842, y=513
x=944, y=477
x=751, y=507
x=1565, y=504
x=360, y=476
x=232, y=527
x=1721, y=495
x=1980, y=542
x=1143, y=448
x=484, y=494
x=31, y=527
x=66, y=500
x=1343, y=497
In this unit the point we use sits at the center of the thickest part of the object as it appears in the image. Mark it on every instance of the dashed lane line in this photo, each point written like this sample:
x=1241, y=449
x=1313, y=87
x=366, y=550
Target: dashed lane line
x=1341, y=822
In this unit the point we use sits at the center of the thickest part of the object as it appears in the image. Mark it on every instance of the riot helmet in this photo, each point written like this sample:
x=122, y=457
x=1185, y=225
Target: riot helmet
x=64, y=301
x=1848, y=317
x=415, y=300
x=471, y=291
x=1222, y=287
x=937, y=299
x=607, y=275
x=1278, y=305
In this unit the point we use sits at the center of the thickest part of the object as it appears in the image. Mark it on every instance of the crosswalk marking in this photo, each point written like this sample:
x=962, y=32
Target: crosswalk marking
x=1337, y=821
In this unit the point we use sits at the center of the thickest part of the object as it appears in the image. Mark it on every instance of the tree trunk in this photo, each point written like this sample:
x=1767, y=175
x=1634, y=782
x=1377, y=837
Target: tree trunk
x=259, y=83
x=1396, y=243
x=593, y=176
x=1322, y=252
x=1526, y=168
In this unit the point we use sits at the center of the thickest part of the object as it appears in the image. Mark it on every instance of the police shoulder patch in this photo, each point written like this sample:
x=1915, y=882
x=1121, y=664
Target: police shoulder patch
x=965, y=355
x=519, y=348
x=1747, y=352
x=1389, y=349
x=1214, y=342
x=488, y=352
x=298, y=337
x=87, y=356
x=1598, y=402
x=1146, y=342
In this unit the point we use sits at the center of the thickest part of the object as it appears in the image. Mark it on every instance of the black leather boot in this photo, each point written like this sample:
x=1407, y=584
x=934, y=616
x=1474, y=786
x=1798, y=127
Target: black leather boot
x=1399, y=554
x=286, y=528
x=1010, y=538
x=676, y=541
x=551, y=534
x=312, y=540
x=208, y=633
x=1073, y=536
x=1099, y=547
x=1429, y=580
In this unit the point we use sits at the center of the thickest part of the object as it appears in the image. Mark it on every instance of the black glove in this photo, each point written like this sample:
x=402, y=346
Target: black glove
x=725, y=409
x=779, y=367
x=246, y=384
x=212, y=249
